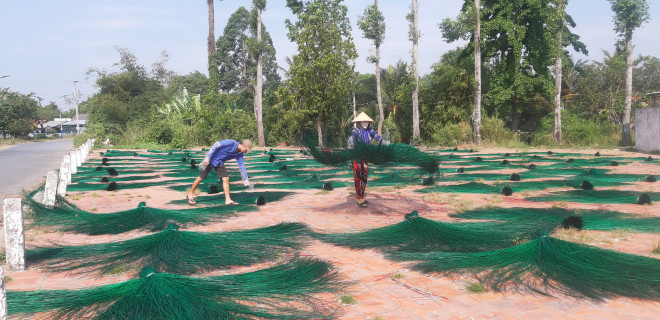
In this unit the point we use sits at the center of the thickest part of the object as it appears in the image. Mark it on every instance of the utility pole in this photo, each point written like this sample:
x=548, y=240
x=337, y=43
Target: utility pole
x=76, y=95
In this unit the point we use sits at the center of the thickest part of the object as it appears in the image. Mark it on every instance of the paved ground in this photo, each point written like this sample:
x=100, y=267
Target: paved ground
x=26, y=165
x=384, y=289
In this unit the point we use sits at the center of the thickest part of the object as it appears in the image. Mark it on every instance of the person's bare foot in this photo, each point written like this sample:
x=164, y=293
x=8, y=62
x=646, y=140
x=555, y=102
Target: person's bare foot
x=191, y=200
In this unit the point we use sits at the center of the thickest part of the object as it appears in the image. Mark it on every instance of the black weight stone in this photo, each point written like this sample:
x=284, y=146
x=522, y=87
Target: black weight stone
x=572, y=222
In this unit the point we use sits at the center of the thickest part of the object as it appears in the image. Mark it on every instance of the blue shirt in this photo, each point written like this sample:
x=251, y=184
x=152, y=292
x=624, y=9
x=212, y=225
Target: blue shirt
x=362, y=135
x=225, y=150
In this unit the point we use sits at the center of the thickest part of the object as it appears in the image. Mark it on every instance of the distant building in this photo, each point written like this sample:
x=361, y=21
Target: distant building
x=65, y=125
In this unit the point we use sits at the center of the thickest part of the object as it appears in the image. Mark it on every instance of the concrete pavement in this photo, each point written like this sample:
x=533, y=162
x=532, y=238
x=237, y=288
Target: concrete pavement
x=26, y=165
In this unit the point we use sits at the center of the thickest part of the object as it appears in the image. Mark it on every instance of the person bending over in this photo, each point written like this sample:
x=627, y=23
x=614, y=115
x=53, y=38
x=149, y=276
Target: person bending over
x=220, y=153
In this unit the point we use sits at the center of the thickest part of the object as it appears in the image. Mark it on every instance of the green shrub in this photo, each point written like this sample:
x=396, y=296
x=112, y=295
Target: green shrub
x=453, y=134
x=578, y=132
x=494, y=132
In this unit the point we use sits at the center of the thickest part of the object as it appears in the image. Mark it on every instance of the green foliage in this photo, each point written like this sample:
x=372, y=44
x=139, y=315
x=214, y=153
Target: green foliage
x=48, y=112
x=494, y=132
x=125, y=98
x=237, y=50
x=16, y=109
x=578, y=131
x=372, y=24
x=629, y=15
x=452, y=134
x=20, y=127
x=321, y=72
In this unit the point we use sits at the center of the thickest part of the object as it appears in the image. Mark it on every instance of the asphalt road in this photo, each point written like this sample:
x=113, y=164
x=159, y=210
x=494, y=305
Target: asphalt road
x=25, y=166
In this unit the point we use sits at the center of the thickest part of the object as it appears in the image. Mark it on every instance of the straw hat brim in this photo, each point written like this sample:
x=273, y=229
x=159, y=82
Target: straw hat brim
x=362, y=117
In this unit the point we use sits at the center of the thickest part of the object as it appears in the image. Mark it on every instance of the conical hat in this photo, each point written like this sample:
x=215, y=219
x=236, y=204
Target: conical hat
x=362, y=117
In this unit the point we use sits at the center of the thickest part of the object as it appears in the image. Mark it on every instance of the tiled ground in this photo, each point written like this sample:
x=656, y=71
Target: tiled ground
x=383, y=289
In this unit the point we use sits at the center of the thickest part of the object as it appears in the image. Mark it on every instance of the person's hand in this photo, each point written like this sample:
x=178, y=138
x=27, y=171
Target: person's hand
x=206, y=162
x=246, y=182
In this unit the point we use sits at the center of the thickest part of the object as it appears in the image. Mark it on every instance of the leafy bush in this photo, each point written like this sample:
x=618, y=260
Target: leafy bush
x=494, y=132
x=453, y=134
x=578, y=131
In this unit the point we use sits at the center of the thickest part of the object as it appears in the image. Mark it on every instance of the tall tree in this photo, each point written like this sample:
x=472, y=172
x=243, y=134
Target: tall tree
x=413, y=35
x=372, y=24
x=237, y=52
x=213, y=68
x=259, y=6
x=521, y=48
x=322, y=69
x=468, y=23
x=558, y=69
x=628, y=16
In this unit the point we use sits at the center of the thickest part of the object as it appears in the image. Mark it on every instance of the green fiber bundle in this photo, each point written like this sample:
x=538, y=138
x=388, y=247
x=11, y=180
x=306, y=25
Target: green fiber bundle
x=417, y=234
x=550, y=265
x=73, y=219
x=85, y=186
x=395, y=153
x=176, y=251
x=596, y=196
x=552, y=218
x=280, y=292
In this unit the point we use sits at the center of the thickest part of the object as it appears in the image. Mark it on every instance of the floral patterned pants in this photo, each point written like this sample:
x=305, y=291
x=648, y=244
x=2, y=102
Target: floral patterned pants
x=360, y=173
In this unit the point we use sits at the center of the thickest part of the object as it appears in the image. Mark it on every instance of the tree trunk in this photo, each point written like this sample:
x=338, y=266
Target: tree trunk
x=214, y=75
x=258, y=89
x=626, y=139
x=415, y=73
x=476, y=116
x=378, y=96
x=211, y=39
x=354, y=110
x=515, y=117
x=319, y=130
x=558, y=76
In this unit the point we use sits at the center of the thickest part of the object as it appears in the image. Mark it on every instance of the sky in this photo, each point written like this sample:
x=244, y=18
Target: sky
x=46, y=47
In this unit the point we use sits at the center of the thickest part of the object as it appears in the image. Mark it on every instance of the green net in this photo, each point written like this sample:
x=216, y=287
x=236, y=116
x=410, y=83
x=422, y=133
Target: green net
x=72, y=219
x=596, y=196
x=417, y=234
x=280, y=292
x=496, y=187
x=176, y=251
x=550, y=265
x=552, y=218
x=393, y=154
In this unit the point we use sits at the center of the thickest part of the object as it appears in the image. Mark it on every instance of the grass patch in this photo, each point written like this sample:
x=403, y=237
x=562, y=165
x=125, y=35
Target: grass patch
x=322, y=192
x=475, y=288
x=347, y=299
x=397, y=276
x=378, y=318
x=591, y=237
x=656, y=250
x=75, y=197
x=120, y=269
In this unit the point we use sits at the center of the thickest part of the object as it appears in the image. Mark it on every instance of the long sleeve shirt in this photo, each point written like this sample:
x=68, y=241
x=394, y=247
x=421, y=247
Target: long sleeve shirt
x=225, y=150
x=361, y=135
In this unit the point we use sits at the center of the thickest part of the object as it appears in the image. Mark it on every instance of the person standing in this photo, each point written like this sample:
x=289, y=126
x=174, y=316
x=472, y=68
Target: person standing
x=362, y=133
x=221, y=152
